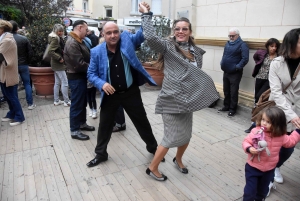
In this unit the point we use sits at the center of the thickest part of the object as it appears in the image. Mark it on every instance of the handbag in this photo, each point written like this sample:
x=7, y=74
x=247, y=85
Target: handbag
x=264, y=102
x=46, y=55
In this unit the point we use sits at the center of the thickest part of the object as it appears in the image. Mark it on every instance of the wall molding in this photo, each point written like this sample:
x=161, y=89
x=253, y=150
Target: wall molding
x=253, y=43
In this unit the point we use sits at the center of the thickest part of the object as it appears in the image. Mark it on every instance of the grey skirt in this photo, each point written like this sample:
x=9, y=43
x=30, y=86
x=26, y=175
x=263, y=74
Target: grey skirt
x=177, y=129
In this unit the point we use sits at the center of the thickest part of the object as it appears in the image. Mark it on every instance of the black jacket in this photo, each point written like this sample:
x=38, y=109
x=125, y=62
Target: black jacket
x=24, y=49
x=94, y=39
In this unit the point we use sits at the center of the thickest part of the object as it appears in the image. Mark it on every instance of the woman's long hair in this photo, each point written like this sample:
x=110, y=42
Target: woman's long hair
x=289, y=43
x=159, y=64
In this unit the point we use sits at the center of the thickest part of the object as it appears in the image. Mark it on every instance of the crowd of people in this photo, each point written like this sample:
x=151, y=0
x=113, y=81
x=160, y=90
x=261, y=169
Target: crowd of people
x=84, y=64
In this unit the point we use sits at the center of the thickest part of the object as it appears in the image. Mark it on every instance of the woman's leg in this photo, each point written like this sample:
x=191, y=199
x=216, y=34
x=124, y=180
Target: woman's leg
x=56, y=86
x=93, y=97
x=179, y=154
x=64, y=85
x=159, y=155
x=89, y=97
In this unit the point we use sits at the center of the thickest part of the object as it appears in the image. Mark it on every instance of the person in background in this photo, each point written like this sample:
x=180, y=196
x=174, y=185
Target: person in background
x=281, y=72
x=9, y=77
x=77, y=59
x=263, y=59
x=235, y=57
x=94, y=39
x=56, y=47
x=186, y=88
x=24, y=54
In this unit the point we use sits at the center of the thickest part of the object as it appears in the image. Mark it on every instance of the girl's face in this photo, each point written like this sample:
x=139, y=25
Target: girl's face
x=265, y=122
x=60, y=33
x=182, y=31
x=272, y=48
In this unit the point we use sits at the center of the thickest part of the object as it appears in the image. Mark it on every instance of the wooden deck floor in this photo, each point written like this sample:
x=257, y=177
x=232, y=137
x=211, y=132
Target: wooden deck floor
x=40, y=161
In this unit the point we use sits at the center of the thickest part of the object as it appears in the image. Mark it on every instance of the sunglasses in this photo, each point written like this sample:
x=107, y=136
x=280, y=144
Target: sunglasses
x=184, y=29
x=232, y=36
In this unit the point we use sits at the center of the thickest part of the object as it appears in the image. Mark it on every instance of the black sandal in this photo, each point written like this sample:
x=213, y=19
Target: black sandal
x=182, y=170
x=162, y=178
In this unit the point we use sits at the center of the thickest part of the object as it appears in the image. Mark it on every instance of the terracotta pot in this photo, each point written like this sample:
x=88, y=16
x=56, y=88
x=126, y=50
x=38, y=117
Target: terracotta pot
x=157, y=75
x=43, y=80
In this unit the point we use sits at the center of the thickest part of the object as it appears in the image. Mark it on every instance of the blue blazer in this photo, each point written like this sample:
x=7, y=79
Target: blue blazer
x=97, y=72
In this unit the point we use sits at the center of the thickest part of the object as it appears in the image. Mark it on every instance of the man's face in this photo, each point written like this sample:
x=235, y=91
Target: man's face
x=232, y=36
x=111, y=34
x=82, y=28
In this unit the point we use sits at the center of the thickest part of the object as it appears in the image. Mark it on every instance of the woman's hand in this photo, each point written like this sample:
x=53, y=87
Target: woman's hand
x=253, y=150
x=144, y=7
x=296, y=122
x=61, y=61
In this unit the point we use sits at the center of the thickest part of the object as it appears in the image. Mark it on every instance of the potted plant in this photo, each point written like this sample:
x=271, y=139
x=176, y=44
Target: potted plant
x=148, y=57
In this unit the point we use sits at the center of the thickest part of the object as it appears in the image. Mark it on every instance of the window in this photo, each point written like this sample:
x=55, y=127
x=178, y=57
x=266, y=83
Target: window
x=156, y=7
x=135, y=7
x=85, y=6
x=108, y=12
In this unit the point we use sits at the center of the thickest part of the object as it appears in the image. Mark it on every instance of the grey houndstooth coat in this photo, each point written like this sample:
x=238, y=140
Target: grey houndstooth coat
x=186, y=88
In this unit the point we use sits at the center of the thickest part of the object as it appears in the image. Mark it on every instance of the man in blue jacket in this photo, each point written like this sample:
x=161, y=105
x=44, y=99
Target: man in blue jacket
x=116, y=71
x=235, y=57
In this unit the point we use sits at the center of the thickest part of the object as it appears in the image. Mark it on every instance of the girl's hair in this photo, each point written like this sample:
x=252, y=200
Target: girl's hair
x=185, y=54
x=272, y=41
x=289, y=43
x=277, y=119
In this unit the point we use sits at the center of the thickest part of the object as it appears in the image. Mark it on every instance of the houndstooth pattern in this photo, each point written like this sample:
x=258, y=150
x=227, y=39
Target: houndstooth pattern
x=186, y=88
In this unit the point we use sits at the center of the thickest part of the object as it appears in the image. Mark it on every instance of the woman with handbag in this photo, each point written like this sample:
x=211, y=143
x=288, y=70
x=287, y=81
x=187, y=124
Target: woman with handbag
x=56, y=46
x=9, y=75
x=263, y=58
x=284, y=70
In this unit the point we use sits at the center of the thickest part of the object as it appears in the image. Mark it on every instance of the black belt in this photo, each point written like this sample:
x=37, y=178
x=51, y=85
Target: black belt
x=124, y=91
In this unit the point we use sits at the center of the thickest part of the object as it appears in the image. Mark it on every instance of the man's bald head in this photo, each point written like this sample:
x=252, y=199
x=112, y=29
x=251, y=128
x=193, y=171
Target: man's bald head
x=111, y=34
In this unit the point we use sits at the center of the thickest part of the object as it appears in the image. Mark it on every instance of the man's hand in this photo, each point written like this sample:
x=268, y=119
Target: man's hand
x=144, y=7
x=108, y=89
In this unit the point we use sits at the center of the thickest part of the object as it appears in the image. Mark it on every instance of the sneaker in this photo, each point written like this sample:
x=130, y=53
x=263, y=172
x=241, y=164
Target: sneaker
x=91, y=113
x=59, y=102
x=271, y=185
x=67, y=104
x=31, y=107
x=6, y=119
x=278, y=177
x=94, y=115
x=15, y=123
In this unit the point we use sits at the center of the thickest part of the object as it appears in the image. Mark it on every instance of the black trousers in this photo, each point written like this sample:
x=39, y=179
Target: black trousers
x=131, y=101
x=231, y=83
x=120, y=116
x=91, y=97
x=261, y=85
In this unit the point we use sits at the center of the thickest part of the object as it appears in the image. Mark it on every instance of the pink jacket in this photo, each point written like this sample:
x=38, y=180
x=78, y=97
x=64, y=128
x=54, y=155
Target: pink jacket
x=266, y=162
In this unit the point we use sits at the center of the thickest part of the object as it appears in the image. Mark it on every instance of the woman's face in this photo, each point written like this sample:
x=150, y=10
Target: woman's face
x=272, y=48
x=1, y=31
x=182, y=31
x=60, y=33
x=297, y=52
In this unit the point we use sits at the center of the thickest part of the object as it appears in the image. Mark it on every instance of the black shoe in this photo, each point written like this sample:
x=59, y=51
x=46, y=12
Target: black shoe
x=95, y=161
x=162, y=178
x=2, y=100
x=231, y=114
x=117, y=129
x=224, y=109
x=80, y=136
x=183, y=170
x=86, y=127
x=249, y=129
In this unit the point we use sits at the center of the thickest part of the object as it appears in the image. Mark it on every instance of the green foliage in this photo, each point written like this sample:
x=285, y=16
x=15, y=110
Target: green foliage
x=11, y=13
x=162, y=30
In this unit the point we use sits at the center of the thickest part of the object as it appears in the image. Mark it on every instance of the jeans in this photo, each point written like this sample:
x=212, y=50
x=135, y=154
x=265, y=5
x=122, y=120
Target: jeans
x=61, y=80
x=15, y=110
x=25, y=76
x=257, y=183
x=78, y=107
x=91, y=97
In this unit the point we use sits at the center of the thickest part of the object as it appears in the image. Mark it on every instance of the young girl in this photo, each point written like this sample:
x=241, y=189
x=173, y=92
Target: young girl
x=259, y=173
